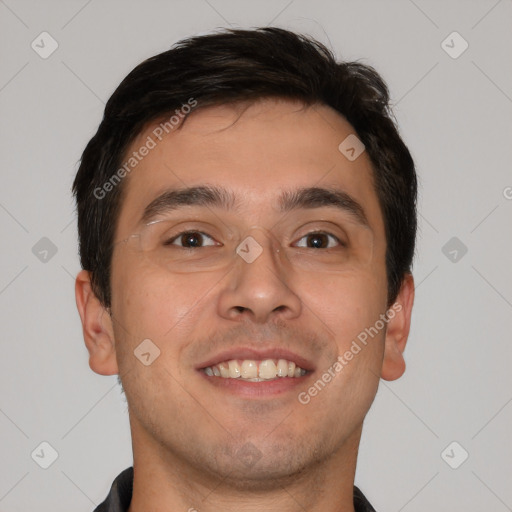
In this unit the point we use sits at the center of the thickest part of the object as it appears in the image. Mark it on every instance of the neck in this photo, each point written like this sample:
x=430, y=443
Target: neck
x=163, y=482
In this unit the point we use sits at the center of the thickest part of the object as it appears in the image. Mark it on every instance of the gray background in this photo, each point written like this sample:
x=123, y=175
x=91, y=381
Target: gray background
x=455, y=115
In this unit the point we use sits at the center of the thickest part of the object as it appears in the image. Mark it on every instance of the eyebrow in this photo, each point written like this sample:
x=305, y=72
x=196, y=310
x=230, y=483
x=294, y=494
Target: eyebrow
x=219, y=197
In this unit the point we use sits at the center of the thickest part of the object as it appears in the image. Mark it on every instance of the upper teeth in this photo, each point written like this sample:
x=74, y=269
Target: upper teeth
x=255, y=370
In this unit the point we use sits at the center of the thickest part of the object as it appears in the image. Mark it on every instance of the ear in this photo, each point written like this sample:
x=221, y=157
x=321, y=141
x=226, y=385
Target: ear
x=96, y=326
x=397, y=332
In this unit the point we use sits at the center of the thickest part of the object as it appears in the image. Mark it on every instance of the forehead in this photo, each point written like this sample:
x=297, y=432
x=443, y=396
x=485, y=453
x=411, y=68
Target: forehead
x=256, y=150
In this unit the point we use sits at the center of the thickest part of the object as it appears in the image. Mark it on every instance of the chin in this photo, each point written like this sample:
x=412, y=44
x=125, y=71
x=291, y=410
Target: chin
x=274, y=466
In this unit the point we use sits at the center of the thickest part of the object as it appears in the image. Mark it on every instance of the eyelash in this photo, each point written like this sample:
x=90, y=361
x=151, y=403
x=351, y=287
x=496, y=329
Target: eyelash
x=179, y=235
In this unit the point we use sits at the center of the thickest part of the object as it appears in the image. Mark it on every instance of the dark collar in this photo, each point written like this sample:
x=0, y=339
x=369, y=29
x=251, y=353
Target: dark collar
x=120, y=495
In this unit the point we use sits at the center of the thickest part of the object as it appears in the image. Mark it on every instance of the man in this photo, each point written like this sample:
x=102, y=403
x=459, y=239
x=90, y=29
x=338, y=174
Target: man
x=247, y=220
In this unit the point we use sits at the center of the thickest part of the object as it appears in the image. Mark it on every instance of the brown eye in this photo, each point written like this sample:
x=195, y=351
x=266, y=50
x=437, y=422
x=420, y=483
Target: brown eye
x=189, y=239
x=319, y=240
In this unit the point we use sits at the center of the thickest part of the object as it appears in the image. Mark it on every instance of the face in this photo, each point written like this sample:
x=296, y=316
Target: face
x=276, y=285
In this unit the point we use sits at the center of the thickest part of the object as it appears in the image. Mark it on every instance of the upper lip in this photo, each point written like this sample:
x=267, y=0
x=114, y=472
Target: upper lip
x=257, y=354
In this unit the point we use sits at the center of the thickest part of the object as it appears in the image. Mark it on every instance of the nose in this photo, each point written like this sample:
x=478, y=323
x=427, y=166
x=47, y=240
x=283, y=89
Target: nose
x=259, y=284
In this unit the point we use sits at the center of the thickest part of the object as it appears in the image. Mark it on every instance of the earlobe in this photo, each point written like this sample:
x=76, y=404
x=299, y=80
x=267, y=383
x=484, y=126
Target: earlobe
x=397, y=332
x=96, y=326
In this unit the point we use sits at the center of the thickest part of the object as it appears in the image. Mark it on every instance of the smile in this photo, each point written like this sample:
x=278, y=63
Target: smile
x=252, y=370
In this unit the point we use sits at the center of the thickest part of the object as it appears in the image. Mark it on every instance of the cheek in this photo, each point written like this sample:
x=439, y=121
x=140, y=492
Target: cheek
x=347, y=303
x=150, y=303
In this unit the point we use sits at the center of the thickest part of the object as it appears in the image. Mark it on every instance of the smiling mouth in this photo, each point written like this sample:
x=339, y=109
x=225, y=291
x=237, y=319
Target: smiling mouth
x=253, y=370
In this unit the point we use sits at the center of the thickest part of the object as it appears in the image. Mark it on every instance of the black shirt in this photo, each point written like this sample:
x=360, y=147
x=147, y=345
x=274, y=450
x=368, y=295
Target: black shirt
x=120, y=495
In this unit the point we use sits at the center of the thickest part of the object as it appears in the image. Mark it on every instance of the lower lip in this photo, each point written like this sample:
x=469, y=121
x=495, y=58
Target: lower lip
x=257, y=389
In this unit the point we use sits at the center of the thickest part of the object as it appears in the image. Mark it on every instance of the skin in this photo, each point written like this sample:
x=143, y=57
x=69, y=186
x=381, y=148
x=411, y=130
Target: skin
x=188, y=434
